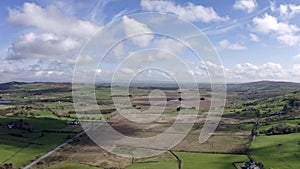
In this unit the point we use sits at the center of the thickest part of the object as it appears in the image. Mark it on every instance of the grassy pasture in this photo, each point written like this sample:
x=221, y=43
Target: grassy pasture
x=209, y=161
x=277, y=151
x=71, y=165
x=194, y=161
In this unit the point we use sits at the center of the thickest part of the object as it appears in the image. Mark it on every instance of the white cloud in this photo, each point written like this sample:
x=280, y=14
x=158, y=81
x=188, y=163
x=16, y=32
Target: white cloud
x=51, y=19
x=169, y=45
x=272, y=6
x=248, y=72
x=10, y=70
x=36, y=70
x=214, y=70
x=286, y=11
x=266, y=24
x=45, y=45
x=190, y=12
x=252, y=72
x=49, y=50
x=59, y=36
x=128, y=71
x=49, y=73
x=225, y=44
x=245, y=5
x=160, y=51
x=86, y=59
x=297, y=57
x=296, y=70
x=119, y=51
x=254, y=38
x=286, y=33
x=143, y=32
x=98, y=71
x=289, y=39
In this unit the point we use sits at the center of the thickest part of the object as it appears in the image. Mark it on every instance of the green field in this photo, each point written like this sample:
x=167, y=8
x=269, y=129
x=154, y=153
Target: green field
x=22, y=153
x=195, y=161
x=156, y=165
x=71, y=165
x=267, y=126
x=209, y=161
x=20, y=146
x=277, y=151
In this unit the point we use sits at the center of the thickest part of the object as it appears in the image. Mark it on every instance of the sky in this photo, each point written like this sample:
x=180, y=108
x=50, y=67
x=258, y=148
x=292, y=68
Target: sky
x=48, y=40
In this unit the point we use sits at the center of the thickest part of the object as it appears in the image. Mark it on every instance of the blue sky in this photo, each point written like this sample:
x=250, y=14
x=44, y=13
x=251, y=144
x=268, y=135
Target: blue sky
x=255, y=40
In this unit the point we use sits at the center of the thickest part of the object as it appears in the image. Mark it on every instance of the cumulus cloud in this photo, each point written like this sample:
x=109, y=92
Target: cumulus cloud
x=249, y=72
x=286, y=11
x=245, y=5
x=86, y=59
x=58, y=36
x=50, y=19
x=170, y=45
x=285, y=33
x=225, y=44
x=119, y=51
x=36, y=70
x=268, y=23
x=143, y=32
x=296, y=70
x=189, y=12
x=213, y=70
x=43, y=45
x=268, y=70
x=49, y=50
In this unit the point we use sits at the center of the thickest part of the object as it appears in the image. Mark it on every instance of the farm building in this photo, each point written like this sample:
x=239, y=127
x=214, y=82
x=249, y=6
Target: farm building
x=251, y=165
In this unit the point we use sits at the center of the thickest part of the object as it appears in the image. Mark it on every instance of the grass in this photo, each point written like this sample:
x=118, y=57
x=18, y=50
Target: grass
x=51, y=140
x=156, y=165
x=46, y=124
x=9, y=148
x=277, y=151
x=45, y=114
x=194, y=161
x=24, y=153
x=268, y=125
x=162, y=161
x=20, y=147
x=71, y=165
x=209, y=161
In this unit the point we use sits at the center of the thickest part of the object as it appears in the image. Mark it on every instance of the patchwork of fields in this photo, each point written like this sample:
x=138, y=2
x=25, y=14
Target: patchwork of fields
x=38, y=114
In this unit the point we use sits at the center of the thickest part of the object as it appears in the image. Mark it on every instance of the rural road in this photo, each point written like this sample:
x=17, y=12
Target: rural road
x=53, y=151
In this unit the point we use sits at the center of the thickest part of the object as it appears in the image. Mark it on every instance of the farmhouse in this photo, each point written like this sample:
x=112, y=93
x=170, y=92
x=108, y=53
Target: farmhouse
x=75, y=122
x=17, y=124
x=251, y=165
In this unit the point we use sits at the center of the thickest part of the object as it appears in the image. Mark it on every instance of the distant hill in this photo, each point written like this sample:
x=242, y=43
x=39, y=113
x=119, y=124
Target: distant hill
x=251, y=87
x=265, y=87
x=14, y=85
x=9, y=85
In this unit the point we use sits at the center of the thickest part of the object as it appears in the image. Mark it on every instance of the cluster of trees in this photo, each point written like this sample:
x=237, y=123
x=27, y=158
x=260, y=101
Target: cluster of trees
x=6, y=166
x=249, y=112
x=282, y=128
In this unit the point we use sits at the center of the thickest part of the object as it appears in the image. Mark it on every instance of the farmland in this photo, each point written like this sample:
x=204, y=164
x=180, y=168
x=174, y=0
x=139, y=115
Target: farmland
x=278, y=151
x=38, y=114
